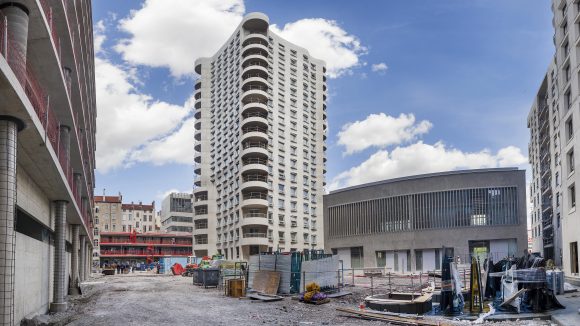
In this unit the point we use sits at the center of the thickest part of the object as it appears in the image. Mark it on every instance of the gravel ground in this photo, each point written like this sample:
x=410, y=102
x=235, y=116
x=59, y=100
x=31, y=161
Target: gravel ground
x=149, y=299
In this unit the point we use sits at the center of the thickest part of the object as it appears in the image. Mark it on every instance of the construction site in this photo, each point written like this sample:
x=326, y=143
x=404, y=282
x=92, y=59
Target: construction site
x=311, y=288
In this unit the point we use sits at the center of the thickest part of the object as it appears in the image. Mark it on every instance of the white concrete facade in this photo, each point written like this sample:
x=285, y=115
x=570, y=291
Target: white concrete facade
x=554, y=144
x=48, y=91
x=260, y=145
x=176, y=214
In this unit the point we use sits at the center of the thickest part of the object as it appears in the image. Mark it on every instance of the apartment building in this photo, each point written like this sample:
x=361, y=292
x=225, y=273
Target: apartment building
x=554, y=143
x=139, y=217
x=108, y=214
x=177, y=214
x=47, y=146
x=127, y=247
x=260, y=105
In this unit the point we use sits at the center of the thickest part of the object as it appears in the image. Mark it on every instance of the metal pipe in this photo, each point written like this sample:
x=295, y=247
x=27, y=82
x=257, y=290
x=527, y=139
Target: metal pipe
x=8, y=152
x=59, y=300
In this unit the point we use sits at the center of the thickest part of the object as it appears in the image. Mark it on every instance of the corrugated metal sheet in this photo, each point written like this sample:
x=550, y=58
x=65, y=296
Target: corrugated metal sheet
x=280, y=263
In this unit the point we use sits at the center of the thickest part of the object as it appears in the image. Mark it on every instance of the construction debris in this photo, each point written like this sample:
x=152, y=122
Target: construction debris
x=395, y=319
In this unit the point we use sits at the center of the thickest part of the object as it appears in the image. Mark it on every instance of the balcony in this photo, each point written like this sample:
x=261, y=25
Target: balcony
x=253, y=38
x=252, y=47
x=254, y=132
x=255, y=93
x=254, y=200
x=254, y=164
x=255, y=69
x=253, y=148
x=255, y=182
x=250, y=239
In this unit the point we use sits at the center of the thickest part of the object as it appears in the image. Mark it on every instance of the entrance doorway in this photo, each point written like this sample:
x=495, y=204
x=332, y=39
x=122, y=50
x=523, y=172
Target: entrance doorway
x=478, y=249
x=574, y=257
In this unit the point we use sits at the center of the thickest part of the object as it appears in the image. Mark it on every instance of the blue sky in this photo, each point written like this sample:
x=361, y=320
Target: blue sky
x=462, y=73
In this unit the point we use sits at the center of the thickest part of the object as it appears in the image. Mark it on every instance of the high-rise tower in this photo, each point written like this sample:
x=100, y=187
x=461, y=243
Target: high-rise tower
x=260, y=105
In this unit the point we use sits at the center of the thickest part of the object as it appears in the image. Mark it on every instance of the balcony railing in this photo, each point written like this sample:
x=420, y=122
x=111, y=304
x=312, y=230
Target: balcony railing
x=254, y=235
x=254, y=115
x=255, y=195
x=251, y=215
x=254, y=177
x=254, y=129
x=254, y=161
x=255, y=144
x=201, y=241
x=39, y=99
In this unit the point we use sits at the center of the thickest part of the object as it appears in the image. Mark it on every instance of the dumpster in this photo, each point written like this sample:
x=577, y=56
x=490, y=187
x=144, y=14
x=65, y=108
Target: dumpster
x=197, y=276
x=211, y=277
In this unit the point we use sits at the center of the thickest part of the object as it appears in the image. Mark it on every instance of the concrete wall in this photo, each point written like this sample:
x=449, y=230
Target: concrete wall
x=511, y=239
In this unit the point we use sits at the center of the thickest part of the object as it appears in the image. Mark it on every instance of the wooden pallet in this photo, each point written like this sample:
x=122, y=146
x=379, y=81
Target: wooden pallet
x=392, y=318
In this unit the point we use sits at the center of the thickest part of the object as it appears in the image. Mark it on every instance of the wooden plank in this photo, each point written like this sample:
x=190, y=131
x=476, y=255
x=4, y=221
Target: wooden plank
x=397, y=320
x=266, y=282
x=513, y=297
x=265, y=298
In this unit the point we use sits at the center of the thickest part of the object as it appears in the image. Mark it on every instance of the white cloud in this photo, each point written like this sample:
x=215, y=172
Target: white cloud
x=99, y=36
x=174, y=34
x=325, y=40
x=175, y=148
x=421, y=158
x=128, y=119
x=381, y=130
x=379, y=67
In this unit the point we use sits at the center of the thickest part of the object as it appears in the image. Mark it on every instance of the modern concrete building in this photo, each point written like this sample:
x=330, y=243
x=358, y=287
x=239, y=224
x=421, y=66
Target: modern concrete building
x=402, y=224
x=554, y=142
x=260, y=105
x=47, y=145
x=125, y=247
x=177, y=214
x=546, y=184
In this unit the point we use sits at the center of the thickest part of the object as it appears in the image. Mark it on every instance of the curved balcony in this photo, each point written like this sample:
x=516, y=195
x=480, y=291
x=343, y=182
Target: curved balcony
x=252, y=82
x=254, y=133
x=255, y=37
x=258, y=75
x=255, y=107
x=255, y=182
x=257, y=221
x=197, y=181
x=197, y=169
x=254, y=164
x=197, y=147
x=253, y=239
x=197, y=158
x=197, y=125
x=253, y=151
x=324, y=96
x=256, y=22
x=254, y=70
x=254, y=200
x=197, y=105
x=197, y=114
x=197, y=84
x=197, y=94
x=254, y=119
x=197, y=135
x=324, y=87
x=200, y=213
x=253, y=47
x=255, y=93
x=199, y=190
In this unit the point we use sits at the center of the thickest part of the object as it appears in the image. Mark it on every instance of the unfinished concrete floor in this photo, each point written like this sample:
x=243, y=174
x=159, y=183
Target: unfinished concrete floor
x=149, y=299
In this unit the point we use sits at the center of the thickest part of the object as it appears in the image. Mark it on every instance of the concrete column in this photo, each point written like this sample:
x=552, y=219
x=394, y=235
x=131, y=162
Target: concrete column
x=64, y=143
x=67, y=72
x=8, y=145
x=89, y=259
x=73, y=286
x=59, y=300
x=17, y=19
x=83, y=259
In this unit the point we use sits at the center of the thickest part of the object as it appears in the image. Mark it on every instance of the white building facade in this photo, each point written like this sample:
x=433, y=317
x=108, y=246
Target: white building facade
x=176, y=214
x=260, y=145
x=554, y=144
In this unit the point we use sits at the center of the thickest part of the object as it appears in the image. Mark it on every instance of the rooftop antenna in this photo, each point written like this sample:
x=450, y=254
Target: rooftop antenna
x=103, y=192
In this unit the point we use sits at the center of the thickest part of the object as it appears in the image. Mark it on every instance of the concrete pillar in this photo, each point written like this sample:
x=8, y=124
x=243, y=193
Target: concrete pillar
x=17, y=18
x=89, y=259
x=67, y=72
x=9, y=128
x=83, y=259
x=59, y=300
x=64, y=143
x=73, y=286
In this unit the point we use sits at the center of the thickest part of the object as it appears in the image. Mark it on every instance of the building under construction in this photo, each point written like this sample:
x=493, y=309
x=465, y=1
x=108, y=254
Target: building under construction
x=47, y=161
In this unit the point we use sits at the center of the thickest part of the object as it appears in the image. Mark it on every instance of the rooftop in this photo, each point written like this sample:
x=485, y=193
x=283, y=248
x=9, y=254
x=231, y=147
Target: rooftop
x=424, y=176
